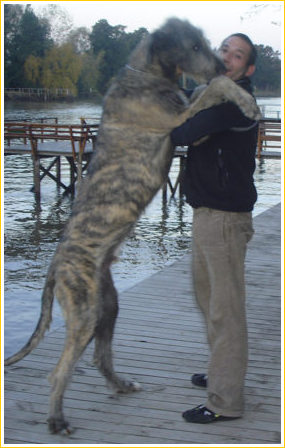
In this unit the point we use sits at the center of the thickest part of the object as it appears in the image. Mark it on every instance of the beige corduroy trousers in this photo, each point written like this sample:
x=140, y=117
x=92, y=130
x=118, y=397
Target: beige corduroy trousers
x=219, y=248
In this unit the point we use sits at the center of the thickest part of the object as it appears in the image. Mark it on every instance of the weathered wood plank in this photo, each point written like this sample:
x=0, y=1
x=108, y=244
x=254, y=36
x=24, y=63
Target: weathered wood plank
x=48, y=148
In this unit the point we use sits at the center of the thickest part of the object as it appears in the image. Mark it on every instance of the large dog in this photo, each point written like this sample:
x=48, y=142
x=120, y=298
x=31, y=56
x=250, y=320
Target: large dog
x=131, y=162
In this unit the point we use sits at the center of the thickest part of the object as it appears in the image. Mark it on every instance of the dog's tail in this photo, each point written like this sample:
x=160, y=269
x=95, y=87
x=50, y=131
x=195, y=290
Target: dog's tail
x=43, y=323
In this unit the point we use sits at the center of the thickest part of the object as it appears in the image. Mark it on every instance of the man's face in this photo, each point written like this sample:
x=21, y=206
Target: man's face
x=235, y=52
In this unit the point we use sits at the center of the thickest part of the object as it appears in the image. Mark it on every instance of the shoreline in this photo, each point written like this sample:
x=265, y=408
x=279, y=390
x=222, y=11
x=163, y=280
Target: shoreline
x=98, y=99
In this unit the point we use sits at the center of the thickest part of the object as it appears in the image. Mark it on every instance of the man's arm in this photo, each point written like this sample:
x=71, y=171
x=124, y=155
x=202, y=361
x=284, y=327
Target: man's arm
x=210, y=121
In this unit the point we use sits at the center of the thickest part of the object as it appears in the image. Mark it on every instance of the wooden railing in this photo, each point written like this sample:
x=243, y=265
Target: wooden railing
x=33, y=138
x=41, y=132
x=269, y=131
x=42, y=93
x=53, y=120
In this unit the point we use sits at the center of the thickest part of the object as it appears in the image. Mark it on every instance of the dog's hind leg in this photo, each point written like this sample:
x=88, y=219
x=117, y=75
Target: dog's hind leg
x=76, y=342
x=103, y=357
x=75, y=293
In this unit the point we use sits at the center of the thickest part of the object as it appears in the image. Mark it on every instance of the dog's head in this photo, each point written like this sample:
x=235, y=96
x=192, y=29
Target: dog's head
x=180, y=46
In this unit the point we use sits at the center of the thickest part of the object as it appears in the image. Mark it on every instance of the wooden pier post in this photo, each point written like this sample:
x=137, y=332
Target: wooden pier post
x=37, y=178
x=36, y=168
x=72, y=174
x=58, y=172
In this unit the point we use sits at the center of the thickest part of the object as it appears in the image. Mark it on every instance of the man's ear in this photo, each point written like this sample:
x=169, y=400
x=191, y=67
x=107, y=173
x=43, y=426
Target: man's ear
x=250, y=70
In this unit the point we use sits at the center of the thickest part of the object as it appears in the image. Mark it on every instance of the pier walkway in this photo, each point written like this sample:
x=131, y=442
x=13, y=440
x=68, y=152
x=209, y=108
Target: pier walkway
x=160, y=342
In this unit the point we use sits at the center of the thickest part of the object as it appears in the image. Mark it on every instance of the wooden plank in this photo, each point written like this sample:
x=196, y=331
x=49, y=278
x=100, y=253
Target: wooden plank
x=48, y=148
x=270, y=154
x=160, y=341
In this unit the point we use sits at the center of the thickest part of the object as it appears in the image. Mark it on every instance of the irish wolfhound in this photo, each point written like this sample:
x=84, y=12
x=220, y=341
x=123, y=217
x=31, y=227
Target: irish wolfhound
x=131, y=162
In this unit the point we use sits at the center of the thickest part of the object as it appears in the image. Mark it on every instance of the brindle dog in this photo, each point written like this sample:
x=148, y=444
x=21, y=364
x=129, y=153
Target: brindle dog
x=131, y=162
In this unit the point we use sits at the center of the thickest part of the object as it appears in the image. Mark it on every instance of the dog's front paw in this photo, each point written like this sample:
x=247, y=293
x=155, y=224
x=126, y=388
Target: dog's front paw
x=251, y=110
x=228, y=90
x=134, y=386
x=59, y=426
x=124, y=387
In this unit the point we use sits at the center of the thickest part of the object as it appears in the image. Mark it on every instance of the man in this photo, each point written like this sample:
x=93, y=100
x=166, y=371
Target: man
x=219, y=186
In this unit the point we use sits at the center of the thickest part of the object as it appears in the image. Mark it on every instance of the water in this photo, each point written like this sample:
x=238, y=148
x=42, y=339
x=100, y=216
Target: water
x=270, y=107
x=162, y=234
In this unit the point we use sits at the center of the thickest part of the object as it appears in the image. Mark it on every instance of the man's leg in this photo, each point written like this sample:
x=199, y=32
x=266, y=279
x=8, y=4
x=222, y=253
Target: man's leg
x=220, y=240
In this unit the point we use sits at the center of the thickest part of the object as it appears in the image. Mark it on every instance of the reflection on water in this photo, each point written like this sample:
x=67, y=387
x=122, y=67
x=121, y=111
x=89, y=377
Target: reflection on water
x=162, y=235
x=65, y=112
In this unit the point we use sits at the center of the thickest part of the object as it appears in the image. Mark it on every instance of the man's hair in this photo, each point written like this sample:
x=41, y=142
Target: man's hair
x=253, y=52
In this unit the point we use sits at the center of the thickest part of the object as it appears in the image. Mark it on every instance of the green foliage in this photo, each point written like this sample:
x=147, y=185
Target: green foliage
x=25, y=35
x=267, y=77
x=32, y=70
x=116, y=45
x=90, y=73
x=46, y=52
x=12, y=18
x=80, y=40
x=59, y=68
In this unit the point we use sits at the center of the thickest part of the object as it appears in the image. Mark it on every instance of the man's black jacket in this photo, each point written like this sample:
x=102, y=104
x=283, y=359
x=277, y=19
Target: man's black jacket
x=219, y=172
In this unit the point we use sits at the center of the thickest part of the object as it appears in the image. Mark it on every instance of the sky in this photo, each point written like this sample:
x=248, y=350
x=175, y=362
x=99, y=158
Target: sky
x=261, y=21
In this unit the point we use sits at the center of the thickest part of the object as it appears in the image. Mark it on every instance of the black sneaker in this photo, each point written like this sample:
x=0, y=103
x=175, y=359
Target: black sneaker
x=199, y=379
x=201, y=414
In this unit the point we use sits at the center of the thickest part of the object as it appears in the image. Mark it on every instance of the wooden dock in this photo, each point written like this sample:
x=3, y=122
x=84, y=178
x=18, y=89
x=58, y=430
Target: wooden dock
x=269, y=136
x=52, y=141
x=160, y=342
x=76, y=143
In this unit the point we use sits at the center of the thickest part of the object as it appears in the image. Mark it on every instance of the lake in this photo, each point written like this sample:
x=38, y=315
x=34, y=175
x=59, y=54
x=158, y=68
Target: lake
x=162, y=234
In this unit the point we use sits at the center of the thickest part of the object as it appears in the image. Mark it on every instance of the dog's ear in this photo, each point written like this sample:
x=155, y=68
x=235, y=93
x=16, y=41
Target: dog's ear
x=161, y=42
x=163, y=51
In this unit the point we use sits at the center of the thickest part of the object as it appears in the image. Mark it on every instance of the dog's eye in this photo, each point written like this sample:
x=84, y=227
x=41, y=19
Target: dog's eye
x=196, y=47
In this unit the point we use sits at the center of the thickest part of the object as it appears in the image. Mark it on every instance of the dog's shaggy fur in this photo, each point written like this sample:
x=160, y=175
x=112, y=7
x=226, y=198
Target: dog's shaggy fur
x=131, y=162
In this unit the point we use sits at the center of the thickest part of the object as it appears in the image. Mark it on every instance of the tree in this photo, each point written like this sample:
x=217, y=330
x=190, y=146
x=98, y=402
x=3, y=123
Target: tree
x=59, y=20
x=61, y=68
x=12, y=19
x=90, y=73
x=267, y=76
x=27, y=35
x=80, y=40
x=33, y=70
x=107, y=40
x=134, y=38
x=115, y=45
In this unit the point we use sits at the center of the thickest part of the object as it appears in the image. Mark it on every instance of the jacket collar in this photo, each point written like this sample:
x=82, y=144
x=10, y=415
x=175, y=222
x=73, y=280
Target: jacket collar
x=245, y=83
